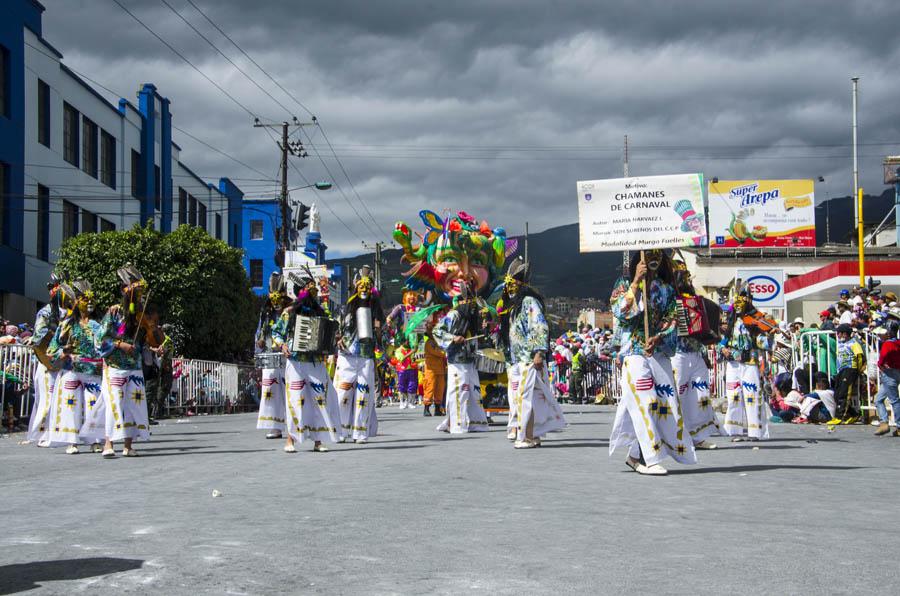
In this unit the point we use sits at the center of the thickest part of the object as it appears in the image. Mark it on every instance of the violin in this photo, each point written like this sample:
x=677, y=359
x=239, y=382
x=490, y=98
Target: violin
x=760, y=320
x=153, y=335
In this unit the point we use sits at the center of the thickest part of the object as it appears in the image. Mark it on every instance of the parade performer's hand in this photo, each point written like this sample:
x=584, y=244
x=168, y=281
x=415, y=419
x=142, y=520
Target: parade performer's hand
x=284, y=350
x=640, y=272
x=125, y=347
x=726, y=352
x=459, y=339
x=538, y=360
x=651, y=344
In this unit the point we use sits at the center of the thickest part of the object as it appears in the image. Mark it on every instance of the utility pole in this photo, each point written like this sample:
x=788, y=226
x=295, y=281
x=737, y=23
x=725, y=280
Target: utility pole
x=287, y=147
x=626, y=264
x=526, y=241
x=378, y=265
x=855, y=81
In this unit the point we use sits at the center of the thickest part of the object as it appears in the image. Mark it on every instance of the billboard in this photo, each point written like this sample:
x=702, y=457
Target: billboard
x=641, y=213
x=766, y=286
x=754, y=213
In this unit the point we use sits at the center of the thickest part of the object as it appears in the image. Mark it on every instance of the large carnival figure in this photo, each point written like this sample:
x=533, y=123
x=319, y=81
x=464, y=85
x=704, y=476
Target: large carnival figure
x=272, y=409
x=355, y=373
x=533, y=409
x=312, y=403
x=46, y=373
x=692, y=374
x=457, y=262
x=120, y=344
x=746, y=416
x=648, y=417
x=80, y=412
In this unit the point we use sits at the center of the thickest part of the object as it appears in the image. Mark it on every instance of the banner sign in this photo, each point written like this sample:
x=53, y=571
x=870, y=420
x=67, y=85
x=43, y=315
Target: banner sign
x=766, y=286
x=762, y=213
x=641, y=213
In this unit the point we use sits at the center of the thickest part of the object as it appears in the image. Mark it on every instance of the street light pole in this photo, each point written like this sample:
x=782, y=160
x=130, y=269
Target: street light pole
x=285, y=213
x=855, y=81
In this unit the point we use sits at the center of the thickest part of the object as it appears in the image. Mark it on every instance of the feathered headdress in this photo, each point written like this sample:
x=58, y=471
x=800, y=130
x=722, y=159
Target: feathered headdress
x=458, y=233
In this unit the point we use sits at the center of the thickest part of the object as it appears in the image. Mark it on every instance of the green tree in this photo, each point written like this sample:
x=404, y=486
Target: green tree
x=198, y=282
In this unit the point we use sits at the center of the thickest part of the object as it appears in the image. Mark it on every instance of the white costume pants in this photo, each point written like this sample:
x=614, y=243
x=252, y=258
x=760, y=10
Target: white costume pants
x=126, y=404
x=747, y=414
x=312, y=403
x=73, y=391
x=648, y=416
x=692, y=379
x=41, y=415
x=93, y=429
x=354, y=379
x=465, y=413
x=534, y=401
x=272, y=401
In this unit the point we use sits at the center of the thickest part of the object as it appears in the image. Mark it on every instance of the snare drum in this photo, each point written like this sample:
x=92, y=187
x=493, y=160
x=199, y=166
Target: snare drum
x=269, y=360
x=490, y=360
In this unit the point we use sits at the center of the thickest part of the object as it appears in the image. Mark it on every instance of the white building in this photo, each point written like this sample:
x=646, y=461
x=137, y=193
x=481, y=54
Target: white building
x=72, y=163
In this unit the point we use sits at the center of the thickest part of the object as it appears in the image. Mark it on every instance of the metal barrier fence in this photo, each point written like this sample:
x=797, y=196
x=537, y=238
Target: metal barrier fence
x=596, y=379
x=18, y=365
x=211, y=387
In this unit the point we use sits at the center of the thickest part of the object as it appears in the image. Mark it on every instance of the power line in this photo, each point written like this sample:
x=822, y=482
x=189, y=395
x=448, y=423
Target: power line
x=239, y=69
x=255, y=63
x=189, y=63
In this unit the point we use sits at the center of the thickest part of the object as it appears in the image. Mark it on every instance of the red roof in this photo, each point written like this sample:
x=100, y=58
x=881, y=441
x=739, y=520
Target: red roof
x=874, y=269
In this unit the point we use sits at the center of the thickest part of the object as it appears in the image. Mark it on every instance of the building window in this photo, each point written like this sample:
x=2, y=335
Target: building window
x=88, y=222
x=218, y=226
x=256, y=273
x=43, y=222
x=256, y=229
x=192, y=210
x=43, y=113
x=70, y=134
x=135, y=172
x=157, y=192
x=4, y=82
x=4, y=201
x=107, y=159
x=107, y=226
x=182, y=206
x=89, y=148
x=70, y=220
x=201, y=215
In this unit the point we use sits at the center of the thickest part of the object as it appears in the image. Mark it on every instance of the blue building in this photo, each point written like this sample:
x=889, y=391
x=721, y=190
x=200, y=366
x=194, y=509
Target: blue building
x=71, y=162
x=262, y=217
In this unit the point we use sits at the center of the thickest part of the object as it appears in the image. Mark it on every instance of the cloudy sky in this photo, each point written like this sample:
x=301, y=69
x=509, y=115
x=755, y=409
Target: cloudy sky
x=498, y=107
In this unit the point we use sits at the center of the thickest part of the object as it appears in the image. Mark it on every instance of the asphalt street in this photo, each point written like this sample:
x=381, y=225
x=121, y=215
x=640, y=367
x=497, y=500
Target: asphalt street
x=420, y=512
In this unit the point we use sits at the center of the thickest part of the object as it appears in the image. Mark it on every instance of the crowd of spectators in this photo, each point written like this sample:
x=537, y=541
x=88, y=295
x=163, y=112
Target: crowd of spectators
x=12, y=333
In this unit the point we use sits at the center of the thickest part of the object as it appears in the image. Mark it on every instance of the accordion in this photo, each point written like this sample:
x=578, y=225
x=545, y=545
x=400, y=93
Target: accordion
x=317, y=335
x=698, y=318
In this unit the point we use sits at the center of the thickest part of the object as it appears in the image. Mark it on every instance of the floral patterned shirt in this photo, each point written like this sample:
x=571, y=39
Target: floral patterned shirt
x=85, y=354
x=628, y=310
x=529, y=332
x=112, y=330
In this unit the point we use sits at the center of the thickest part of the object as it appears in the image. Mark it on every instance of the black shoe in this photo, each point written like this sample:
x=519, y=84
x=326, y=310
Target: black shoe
x=426, y=411
x=439, y=411
x=153, y=422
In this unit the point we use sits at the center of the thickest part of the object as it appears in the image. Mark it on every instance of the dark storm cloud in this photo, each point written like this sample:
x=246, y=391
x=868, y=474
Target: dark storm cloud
x=468, y=104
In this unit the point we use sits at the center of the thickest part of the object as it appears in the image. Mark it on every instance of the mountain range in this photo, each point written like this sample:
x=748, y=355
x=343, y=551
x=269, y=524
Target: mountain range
x=561, y=270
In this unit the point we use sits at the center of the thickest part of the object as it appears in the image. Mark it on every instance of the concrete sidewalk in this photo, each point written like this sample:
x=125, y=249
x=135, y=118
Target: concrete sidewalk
x=420, y=512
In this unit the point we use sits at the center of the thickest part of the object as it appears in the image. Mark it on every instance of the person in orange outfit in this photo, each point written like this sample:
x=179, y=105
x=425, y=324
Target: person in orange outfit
x=435, y=375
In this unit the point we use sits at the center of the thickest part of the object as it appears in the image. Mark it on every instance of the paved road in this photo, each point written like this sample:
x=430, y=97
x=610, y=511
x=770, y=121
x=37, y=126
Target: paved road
x=418, y=512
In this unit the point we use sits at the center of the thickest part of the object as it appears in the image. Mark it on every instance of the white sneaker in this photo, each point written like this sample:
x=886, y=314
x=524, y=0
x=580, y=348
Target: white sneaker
x=361, y=441
x=96, y=448
x=320, y=448
x=129, y=452
x=71, y=449
x=290, y=448
x=108, y=453
x=875, y=423
x=511, y=435
x=526, y=444
x=706, y=445
x=652, y=470
x=43, y=443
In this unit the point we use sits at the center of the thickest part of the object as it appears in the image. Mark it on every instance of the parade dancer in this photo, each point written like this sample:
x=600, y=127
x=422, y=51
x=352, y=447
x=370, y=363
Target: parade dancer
x=457, y=261
x=456, y=335
x=272, y=403
x=526, y=335
x=648, y=417
x=46, y=373
x=407, y=375
x=746, y=416
x=120, y=344
x=312, y=403
x=79, y=411
x=435, y=374
x=355, y=374
x=692, y=375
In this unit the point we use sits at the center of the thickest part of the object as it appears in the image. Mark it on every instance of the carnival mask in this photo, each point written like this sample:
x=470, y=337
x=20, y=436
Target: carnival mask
x=653, y=258
x=513, y=286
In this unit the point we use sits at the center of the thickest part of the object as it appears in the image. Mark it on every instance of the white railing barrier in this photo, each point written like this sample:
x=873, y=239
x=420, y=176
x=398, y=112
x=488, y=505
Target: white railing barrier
x=19, y=362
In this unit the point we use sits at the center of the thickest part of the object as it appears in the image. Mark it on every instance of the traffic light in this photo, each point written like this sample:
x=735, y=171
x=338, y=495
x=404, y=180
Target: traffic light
x=873, y=283
x=301, y=216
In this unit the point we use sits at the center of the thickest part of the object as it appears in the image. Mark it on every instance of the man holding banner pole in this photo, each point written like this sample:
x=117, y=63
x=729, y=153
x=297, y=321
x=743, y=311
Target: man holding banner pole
x=647, y=214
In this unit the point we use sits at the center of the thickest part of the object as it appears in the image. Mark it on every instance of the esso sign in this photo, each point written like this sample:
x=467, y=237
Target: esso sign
x=763, y=288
